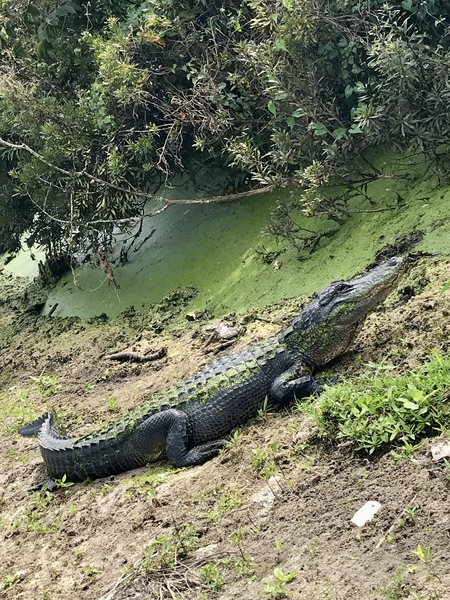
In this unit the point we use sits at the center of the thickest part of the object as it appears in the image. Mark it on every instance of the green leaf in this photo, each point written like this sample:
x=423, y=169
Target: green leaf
x=278, y=572
x=291, y=122
x=348, y=91
x=65, y=10
x=280, y=45
x=355, y=129
x=272, y=108
x=339, y=133
x=406, y=4
x=33, y=10
x=280, y=95
x=409, y=404
x=445, y=287
x=318, y=128
x=298, y=112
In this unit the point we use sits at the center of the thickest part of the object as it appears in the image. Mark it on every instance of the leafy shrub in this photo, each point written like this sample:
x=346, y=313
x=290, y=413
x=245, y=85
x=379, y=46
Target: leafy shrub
x=99, y=104
x=376, y=410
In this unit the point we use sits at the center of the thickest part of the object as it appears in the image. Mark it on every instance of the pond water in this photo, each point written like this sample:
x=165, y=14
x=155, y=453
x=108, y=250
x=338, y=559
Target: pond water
x=213, y=247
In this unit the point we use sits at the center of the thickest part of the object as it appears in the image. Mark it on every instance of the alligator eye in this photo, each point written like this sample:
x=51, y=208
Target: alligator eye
x=338, y=287
x=343, y=286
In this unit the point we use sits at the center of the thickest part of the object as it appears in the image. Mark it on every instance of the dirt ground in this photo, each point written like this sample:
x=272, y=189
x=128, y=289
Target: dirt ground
x=270, y=517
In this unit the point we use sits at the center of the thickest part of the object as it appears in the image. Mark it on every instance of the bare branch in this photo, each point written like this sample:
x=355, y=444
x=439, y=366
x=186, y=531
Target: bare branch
x=167, y=201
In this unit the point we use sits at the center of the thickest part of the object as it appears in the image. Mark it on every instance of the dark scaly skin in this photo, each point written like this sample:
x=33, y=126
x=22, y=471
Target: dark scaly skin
x=187, y=422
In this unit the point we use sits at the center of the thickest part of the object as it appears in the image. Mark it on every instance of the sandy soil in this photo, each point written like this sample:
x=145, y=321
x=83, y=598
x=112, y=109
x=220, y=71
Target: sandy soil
x=275, y=499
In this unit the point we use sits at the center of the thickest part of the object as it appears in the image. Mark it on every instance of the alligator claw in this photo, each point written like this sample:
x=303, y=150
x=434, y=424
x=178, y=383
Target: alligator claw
x=48, y=485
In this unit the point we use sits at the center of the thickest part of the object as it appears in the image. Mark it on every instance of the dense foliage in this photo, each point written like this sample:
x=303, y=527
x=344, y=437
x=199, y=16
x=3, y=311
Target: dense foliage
x=100, y=102
x=377, y=409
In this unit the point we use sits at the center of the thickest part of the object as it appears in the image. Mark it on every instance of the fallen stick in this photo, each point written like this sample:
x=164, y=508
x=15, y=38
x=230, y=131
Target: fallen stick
x=136, y=357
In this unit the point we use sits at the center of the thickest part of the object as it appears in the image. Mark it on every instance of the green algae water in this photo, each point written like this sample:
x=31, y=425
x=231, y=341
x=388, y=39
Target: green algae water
x=213, y=247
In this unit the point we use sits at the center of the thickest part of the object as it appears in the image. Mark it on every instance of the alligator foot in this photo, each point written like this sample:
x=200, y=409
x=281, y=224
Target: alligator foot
x=48, y=485
x=200, y=454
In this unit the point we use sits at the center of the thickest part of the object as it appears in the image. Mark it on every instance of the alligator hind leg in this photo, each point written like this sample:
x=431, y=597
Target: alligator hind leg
x=177, y=444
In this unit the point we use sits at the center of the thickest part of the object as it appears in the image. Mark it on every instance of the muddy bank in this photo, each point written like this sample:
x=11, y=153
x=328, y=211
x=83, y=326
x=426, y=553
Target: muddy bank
x=276, y=503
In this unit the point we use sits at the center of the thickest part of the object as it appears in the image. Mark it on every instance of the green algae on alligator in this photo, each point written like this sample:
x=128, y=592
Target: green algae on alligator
x=187, y=422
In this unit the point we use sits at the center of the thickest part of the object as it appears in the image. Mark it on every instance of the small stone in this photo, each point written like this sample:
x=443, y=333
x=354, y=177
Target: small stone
x=366, y=513
x=440, y=450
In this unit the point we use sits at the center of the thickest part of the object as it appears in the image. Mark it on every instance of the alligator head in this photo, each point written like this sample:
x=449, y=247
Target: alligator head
x=327, y=326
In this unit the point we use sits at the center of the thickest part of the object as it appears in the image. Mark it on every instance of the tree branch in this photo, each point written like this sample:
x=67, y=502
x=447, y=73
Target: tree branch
x=78, y=174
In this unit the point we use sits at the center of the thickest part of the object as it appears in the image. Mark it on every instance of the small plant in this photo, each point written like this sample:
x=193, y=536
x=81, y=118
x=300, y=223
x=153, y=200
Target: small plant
x=166, y=550
x=246, y=567
x=265, y=408
x=395, y=590
x=37, y=518
x=263, y=463
x=146, y=483
x=113, y=406
x=238, y=535
x=423, y=554
x=278, y=588
x=229, y=501
x=48, y=384
x=235, y=439
x=91, y=574
x=15, y=410
x=63, y=483
x=259, y=457
x=88, y=387
x=211, y=576
x=408, y=517
x=8, y=581
x=377, y=410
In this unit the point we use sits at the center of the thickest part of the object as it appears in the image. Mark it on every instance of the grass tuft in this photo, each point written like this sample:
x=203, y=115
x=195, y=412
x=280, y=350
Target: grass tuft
x=376, y=409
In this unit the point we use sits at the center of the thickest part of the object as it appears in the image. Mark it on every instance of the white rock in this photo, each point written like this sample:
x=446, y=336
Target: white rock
x=366, y=513
x=440, y=450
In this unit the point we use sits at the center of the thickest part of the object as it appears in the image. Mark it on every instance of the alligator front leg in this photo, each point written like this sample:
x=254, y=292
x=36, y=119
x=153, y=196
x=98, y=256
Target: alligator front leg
x=173, y=425
x=293, y=383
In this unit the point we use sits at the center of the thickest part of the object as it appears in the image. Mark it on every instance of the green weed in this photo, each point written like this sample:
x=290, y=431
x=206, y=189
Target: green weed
x=396, y=589
x=146, y=483
x=423, y=554
x=245, y=567
x=229, y=501
x=211, y=576
x=264, y=462
x=235, y=440
x=408, y=517
x=112, y=403
x=48, y=384
x=376, y=410
x=278, y=588
x=166, y=550
x=91, y=573
x=8, y=581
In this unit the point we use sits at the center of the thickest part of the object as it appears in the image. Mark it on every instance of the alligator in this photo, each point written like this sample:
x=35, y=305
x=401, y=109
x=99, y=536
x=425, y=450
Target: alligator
x=187, y=423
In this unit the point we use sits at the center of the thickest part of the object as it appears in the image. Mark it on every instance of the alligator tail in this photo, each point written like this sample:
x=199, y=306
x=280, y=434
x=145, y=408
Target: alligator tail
x=33, y=428
x=91, y=456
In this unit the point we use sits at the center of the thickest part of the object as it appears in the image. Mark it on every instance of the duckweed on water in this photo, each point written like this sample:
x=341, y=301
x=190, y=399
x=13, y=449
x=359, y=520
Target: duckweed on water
x=377, y=409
